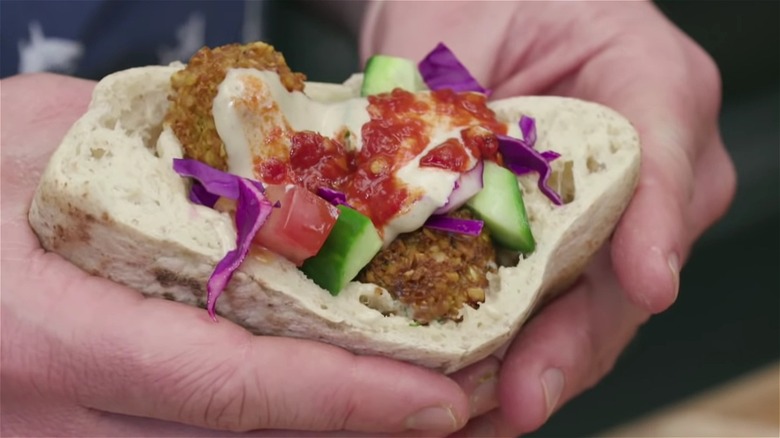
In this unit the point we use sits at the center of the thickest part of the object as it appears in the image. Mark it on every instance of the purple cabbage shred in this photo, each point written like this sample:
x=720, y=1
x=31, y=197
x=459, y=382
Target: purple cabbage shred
x=454, y=225
x=335, y=197
x=521, y=158
x=252, y=209
x=213, y=181
x=441, y=69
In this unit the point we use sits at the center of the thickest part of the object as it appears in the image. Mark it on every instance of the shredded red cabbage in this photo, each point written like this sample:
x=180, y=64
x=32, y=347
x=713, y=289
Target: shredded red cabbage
x=548, y=157
x=213, y=181
x=441, y=69
x=528, y=128
x=520, y=157
x=199, y=195
x=252, y=210
x=455, y=225
x=335, y=197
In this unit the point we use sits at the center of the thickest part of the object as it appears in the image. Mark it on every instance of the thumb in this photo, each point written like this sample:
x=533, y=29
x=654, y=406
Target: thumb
x=164, y=360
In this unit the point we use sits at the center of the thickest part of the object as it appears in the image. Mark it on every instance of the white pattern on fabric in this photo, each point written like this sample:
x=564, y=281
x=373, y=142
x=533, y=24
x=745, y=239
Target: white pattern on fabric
x=190, y=37
x=40, y=53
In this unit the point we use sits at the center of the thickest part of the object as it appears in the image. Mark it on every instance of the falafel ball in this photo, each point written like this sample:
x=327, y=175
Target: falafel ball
x=434, y=273
x=196, y=86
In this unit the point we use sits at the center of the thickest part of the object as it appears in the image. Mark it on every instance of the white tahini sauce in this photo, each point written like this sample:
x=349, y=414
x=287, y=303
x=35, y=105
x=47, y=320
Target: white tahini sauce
x=250, y=105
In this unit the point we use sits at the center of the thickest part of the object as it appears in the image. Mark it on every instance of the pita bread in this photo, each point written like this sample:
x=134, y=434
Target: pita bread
x=110, y=203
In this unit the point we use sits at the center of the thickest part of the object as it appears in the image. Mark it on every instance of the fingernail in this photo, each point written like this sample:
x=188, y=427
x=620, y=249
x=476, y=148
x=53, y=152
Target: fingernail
x=484, y=396
x=552, y=384
x=438, y=418
x=674, y=265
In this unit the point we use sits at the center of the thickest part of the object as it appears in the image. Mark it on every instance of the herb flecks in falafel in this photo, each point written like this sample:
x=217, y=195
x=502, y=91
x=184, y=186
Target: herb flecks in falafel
x=196, y=86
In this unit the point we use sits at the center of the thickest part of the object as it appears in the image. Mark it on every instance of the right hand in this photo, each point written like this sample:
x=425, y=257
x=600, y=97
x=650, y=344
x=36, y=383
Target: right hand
x=84, y=356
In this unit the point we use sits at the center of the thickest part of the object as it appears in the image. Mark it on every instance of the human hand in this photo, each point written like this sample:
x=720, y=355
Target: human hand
x=82, y=356
x=628, y=57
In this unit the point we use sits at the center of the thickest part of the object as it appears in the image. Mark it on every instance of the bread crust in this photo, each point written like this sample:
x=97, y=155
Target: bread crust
x=110, y=203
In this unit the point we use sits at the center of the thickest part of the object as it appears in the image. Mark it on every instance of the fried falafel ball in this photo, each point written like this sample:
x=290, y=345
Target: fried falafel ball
x=435, y=273
x=196, y=86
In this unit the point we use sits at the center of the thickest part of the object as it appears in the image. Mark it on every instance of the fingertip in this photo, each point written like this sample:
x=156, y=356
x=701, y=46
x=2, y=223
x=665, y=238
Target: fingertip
x=425, y=400
x=645, y=251
x=649, y=276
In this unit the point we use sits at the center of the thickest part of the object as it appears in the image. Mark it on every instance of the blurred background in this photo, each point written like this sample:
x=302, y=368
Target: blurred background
x=724, y=325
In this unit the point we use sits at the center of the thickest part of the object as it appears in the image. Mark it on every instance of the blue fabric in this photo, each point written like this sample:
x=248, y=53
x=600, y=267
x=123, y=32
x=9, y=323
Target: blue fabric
x=111, y=35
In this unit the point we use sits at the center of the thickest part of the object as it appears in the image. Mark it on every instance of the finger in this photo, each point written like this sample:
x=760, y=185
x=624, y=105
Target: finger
x=652, y=238
x=490, y=425
x=566, y=348
x=647, y=245
x=676, y=200
x=107, y=424
x=159, y=359
x=479, y=382
x=673, y=116
x=33, y=414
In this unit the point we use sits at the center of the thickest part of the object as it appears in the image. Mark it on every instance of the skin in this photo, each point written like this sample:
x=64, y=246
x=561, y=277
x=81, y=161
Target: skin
x=625, y=55
x=177, y=374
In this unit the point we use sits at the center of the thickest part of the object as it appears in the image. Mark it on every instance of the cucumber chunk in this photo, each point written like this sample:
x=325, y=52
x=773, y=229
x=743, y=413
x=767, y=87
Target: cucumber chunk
x=500, y=204
x=384, y=73
x=351, y=244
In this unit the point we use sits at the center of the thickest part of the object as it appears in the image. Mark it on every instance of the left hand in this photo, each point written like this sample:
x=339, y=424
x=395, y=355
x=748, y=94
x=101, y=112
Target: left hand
x=83, y=356
x=629, y=57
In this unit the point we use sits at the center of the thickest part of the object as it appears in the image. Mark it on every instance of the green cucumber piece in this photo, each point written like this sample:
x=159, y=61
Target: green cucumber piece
x=351, y=244
x=500, y=204
x=384, y=73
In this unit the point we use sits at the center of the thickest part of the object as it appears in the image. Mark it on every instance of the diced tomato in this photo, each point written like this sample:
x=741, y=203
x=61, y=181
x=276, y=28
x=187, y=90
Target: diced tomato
x=298, y=228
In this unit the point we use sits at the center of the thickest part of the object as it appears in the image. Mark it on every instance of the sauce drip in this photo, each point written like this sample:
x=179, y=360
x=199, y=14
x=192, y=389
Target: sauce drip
x=450, y=155
x=399, y=130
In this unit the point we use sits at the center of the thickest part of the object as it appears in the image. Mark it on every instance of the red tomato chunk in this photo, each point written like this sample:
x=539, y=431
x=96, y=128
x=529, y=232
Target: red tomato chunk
x=297, y=229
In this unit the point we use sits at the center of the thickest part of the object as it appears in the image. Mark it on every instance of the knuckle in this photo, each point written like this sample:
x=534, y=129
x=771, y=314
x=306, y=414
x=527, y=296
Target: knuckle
x=709, y=74
x=253, y=402
x=196, y=390
x=226, y=411
x=339, y=409
x=342, y=408
x=230, y=405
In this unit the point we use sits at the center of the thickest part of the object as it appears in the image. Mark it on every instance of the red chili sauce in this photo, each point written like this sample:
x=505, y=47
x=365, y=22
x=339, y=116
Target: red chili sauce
x=398, y=131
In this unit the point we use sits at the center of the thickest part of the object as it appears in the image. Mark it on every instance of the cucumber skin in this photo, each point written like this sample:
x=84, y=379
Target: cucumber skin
x=501, y=197
x=384, y=73
x=350, y=246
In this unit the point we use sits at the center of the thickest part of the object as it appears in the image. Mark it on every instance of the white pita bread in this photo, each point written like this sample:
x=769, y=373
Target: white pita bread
x=110, y=203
